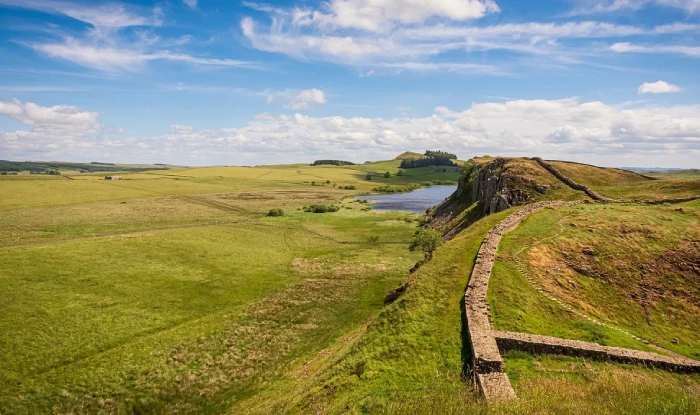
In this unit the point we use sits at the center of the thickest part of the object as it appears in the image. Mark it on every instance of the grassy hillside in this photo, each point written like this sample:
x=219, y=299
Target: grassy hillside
x=635, y=267
x=621, y=184
x=173, y=292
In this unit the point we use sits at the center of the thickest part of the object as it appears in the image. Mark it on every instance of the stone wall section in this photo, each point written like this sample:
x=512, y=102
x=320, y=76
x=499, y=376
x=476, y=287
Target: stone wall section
x=487, y=344
x=537, y=344
x=486, y=355
x=572, y=184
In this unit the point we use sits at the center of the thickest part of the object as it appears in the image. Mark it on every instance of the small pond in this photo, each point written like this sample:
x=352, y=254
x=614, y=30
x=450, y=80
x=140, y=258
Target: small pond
x=416, y=201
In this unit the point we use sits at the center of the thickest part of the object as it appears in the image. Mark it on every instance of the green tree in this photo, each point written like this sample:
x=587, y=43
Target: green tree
x=426, y=240
x=387, y=175
x=400, y=173
x=368, y=177
x=275, y=212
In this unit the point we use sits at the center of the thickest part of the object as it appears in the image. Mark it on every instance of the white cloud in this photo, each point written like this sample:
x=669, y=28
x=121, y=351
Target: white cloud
x=379, y=15
x=110, y=15
x=190, y=3
x=115, y=59
x=59, y=118
x=597, y=6
x=626, y=47
x=298, y=100
x=563, y=128
x=658, y=87
x=418, y=43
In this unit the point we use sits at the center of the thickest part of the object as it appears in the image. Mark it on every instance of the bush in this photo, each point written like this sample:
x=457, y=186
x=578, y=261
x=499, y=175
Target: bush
x=400, y=173
x=275, y=212
x=426, y=240
x=328, y=182
x=368, y=177
x=321, y=208
x=351, y=187
x=387, y=175
x=373, y=240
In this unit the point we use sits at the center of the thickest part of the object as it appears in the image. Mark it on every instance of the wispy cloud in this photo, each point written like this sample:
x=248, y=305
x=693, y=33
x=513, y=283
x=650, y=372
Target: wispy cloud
x=626, y=47
x=414, y=42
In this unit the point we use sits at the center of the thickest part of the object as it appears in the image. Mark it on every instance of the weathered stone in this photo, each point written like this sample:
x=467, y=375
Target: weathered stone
x=552, y=345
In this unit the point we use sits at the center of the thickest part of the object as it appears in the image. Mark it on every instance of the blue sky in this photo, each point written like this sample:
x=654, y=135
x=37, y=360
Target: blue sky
x=611, y=82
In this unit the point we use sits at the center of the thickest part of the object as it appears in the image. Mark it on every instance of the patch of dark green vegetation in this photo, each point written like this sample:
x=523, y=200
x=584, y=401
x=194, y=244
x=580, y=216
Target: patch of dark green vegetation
x=332, y=163
x=321, y=208
x=46, y=167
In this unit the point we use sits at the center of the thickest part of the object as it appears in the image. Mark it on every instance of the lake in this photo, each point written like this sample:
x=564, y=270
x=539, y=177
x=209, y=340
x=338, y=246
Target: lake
x=416, y=201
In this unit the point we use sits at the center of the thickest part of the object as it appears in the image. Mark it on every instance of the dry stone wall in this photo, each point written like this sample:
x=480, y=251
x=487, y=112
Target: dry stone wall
x=572, y=184
x=552, y=345
x=487, y=344
x=486, y=356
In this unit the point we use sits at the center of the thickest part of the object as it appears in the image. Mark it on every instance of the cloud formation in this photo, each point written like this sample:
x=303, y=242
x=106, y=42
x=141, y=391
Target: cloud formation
x=301, y=100
x=564, y=128
x=658, y=87
x=380, y=34
x=104, y=48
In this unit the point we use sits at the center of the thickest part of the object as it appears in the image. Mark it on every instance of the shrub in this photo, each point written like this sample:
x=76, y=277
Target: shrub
x=373, y=240
x=400, y=173
x=387, y=175
x=351, y=187
x=321, y=208
x=313, y=183
x=368, y=177
x=426, y=240
x=328, y=182
x=275, y=212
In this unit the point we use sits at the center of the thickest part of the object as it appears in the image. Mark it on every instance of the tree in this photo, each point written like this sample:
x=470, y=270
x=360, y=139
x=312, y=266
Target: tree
x=426, y=240
x=275, y=212
x=400, y=173
x=368, y=177
x=387, y=175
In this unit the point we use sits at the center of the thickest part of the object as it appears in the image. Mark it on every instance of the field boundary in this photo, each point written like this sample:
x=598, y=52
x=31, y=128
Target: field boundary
x=486, y=343
x=538, y=344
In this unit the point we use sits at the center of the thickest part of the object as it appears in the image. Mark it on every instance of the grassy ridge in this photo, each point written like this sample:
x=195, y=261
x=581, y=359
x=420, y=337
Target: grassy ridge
x=625, y=264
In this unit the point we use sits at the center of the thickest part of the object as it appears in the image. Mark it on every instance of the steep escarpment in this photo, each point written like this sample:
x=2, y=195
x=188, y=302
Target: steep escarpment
x=491, y=185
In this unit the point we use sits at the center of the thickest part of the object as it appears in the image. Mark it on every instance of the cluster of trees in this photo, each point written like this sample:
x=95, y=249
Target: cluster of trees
x=333, y=163
x=432, y=158
x=425, y=162
x=438, y=153
x=43, y=167
x=321, y=208
x=351, y=187
x=12, y=173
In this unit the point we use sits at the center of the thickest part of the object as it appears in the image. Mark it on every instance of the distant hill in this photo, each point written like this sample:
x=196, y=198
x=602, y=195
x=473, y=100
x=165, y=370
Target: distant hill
x=409, y=155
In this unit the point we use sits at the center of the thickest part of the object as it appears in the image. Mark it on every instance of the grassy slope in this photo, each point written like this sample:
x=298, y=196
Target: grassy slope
x=109, y=312
x=620, y=184
x=413, y=349
x=640, y=277
x=689, y=174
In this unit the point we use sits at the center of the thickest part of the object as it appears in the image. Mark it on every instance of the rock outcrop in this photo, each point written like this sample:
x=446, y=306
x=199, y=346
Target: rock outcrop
x=495, y=190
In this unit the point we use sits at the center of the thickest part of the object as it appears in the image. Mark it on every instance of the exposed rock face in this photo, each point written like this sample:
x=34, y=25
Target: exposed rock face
x=495, y=190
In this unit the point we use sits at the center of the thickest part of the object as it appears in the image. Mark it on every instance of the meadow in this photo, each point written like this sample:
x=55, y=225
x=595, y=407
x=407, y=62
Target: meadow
x=172, y=291
x=119, y=296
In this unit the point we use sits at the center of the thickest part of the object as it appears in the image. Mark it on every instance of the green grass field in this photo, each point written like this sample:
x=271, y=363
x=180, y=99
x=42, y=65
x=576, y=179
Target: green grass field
x=171, y=291
x=119, y=296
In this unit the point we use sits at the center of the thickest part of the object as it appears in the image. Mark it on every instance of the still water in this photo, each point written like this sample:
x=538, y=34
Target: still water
x=416, y=201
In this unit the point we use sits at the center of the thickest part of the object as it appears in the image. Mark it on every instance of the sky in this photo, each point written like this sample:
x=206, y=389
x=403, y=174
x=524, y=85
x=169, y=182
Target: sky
x=205, y=82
